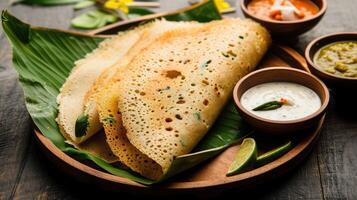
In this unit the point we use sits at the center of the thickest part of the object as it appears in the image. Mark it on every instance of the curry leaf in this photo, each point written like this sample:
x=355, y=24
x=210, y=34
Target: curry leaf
x=81, y=125
x=271, y=105
x=138, y=12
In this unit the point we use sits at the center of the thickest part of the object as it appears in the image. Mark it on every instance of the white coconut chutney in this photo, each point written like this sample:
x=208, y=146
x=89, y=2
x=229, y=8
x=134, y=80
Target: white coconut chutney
x=304, y=101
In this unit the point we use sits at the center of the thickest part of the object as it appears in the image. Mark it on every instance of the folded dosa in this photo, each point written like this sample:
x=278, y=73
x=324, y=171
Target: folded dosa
x=166, y=99
x=72, y=94
x=147, y=35
x=91, y=74
x=71, y=100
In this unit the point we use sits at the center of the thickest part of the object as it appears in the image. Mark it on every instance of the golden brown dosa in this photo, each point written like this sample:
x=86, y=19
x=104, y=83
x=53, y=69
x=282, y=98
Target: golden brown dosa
x=166, y=99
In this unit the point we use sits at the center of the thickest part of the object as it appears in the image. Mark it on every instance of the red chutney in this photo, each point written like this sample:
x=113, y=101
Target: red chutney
x=263, y=9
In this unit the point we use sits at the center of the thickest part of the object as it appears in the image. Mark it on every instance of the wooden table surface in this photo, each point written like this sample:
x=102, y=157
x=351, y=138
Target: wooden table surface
x=330, y=172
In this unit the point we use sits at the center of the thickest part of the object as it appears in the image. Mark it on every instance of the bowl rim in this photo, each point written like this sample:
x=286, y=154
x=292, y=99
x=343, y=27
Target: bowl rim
x=310, y=60
x=321, y=12
x=324, y=103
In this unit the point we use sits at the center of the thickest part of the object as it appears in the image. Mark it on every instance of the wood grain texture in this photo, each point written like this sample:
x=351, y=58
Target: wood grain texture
x=336, y=151
x=337, y=156
x=328, y=173
x=14, y=123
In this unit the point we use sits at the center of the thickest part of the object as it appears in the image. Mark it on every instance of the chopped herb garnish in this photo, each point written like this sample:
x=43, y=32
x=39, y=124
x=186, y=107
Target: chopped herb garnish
x=81, y=125
x=230, y=52
x=197, y=116
x=205, y=64
x=167, y=88
x=225, y=54
x=182, y=143
x=241, y=37
x=109, y=120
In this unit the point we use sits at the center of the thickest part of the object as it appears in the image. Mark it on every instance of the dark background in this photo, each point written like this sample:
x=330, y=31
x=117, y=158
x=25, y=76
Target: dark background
x=330, y=172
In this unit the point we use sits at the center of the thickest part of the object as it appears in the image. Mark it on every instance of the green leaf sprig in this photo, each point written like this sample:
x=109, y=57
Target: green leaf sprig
x=81, y=125
x=271, y=105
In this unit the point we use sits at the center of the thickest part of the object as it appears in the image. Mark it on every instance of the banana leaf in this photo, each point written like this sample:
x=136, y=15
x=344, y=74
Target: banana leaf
x=138, y=12
x=43, y=58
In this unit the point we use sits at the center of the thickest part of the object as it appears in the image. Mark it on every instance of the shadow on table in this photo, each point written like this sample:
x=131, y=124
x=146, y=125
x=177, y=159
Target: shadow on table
x=345, y=103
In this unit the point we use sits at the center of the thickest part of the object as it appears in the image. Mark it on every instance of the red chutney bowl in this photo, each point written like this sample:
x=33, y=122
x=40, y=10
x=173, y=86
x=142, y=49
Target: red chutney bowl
x=287, y=28
x=281, y=74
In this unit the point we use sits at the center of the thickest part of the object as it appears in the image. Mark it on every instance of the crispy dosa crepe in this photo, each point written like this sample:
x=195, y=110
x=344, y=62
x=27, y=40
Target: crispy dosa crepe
x=72, y=94
x=166, y=99
x=91, y=74
x=107, y=102
x=116, y=136
x=147, y=35
x=71, y=99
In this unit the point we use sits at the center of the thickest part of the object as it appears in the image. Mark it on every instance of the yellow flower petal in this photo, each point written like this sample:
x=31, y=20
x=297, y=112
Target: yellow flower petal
x=111, y=5
x=124, y=8
x=118, y=4
x=222, y=5
x=127, y=1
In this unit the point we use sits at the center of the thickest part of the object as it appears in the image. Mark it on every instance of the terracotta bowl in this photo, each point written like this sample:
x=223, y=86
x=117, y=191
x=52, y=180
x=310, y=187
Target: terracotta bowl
x=275, y=74
x=287, y=28
x=339, y=82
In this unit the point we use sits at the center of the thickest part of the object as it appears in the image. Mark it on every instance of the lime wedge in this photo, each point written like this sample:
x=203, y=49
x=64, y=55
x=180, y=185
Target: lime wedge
x=273, y=154
x=245, y=157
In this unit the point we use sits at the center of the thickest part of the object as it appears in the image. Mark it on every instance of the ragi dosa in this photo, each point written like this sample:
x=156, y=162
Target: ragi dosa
x=166, y=99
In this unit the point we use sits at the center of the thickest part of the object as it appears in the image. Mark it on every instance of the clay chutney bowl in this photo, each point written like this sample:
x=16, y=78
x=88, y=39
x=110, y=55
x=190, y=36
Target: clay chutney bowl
x=281, y=74
x=287, y=28
x=335, y=81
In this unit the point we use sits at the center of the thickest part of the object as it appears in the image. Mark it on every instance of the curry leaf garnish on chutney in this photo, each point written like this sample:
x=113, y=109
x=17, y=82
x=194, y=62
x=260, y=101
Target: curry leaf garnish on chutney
x=272, y=105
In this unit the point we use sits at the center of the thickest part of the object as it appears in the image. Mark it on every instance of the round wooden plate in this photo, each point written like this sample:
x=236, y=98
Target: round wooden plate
x=209, y=176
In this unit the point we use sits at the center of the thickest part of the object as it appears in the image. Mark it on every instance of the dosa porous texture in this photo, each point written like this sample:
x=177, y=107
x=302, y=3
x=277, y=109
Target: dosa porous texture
x=117, y=139
x=147, y=35
x=108, y=105
x=163, y=102
x=92, y=73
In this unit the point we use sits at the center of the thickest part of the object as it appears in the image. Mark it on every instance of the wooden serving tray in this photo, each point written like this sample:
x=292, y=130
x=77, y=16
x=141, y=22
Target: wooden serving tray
x=209, y=177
